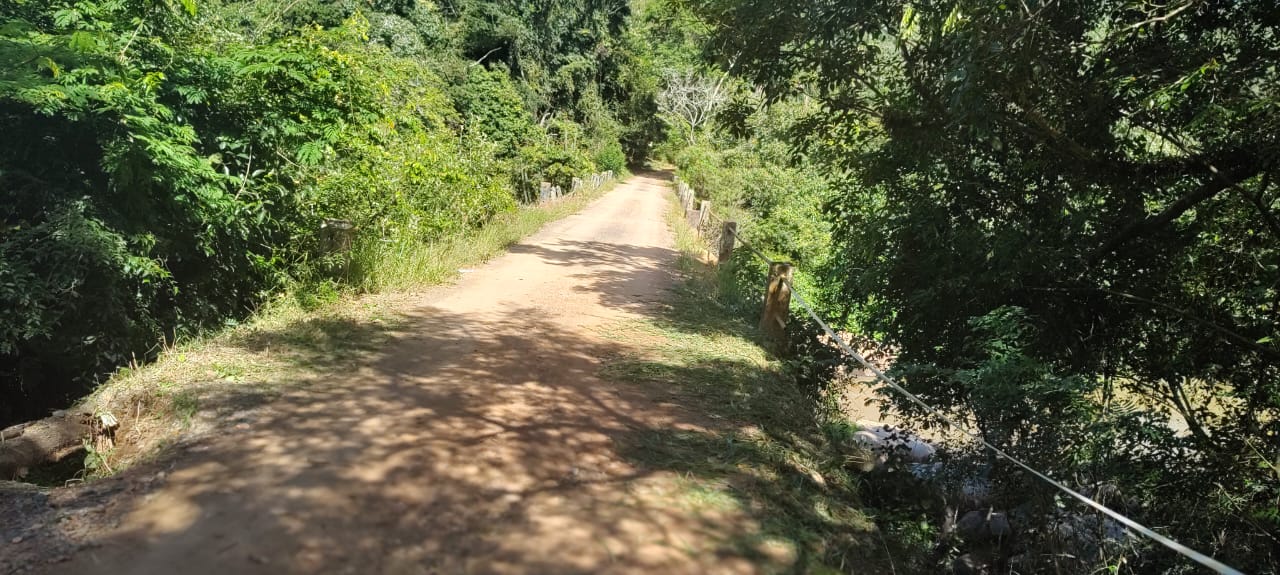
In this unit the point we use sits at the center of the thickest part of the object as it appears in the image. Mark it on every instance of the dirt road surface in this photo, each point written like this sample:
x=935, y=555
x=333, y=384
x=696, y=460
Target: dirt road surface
x=481, y=440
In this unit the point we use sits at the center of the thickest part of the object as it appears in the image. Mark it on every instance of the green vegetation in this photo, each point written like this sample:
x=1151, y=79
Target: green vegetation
x=763, y=451
x=1062, y=215
x=400, y=266
x=171, y=165
x=293, y=339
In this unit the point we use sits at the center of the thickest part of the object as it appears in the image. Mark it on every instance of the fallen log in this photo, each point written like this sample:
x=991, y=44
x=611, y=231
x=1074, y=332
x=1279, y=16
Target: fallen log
x=12, y=432
x=48, y=440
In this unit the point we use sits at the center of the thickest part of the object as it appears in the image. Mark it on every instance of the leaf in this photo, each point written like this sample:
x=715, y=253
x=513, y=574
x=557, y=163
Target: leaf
x=908, y=25
x=52, y=66
x=311, y=153
x=66, y=18
x=82, y=41
x=953, y=19
x=190, y=5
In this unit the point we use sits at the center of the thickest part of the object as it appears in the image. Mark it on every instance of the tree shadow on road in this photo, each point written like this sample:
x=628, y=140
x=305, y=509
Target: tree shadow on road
x=766, y=451
x=499, y=441
x=427, y=441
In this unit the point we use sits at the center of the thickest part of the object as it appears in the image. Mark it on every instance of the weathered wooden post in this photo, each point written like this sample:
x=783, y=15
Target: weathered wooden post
x=696, y=218
x=728, y=235
x=777, y=306
x=544, y=191
x=577, y=185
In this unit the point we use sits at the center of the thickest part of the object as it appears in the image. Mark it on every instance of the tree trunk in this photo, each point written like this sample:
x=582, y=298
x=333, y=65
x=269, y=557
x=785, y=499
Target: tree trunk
x=45, y=441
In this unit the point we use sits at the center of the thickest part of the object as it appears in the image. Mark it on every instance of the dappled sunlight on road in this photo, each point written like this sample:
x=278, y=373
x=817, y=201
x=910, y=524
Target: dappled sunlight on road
x=479, y=439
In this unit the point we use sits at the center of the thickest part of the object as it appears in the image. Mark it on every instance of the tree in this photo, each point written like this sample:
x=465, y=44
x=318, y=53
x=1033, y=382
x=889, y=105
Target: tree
x=172, y=161
x=1064, y=214
x=690, y=100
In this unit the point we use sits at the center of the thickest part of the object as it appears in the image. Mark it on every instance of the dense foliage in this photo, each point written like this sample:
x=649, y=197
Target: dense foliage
x=1063, y=213
x=170, y=163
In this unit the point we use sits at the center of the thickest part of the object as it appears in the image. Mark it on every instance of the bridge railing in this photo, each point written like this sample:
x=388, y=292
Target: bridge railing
x=549, y=193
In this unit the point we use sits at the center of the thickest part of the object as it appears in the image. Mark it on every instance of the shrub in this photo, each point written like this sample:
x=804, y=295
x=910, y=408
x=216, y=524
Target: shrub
x=171, y=202
x=491, y=106
x=611, y=157
x=783, y=203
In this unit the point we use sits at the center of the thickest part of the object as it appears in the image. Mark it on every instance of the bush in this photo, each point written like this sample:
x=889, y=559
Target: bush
x=491, y=106
x=781, y=206
x=138, y=205
x=611, y=158
x=554, y=156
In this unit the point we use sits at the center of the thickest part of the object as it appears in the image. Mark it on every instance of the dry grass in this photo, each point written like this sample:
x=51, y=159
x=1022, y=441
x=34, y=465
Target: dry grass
x=281, y=347
x=292, y=340
x=379, y=266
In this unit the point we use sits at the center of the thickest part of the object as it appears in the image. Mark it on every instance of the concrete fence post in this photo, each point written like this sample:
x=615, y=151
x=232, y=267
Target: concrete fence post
x=338, y=237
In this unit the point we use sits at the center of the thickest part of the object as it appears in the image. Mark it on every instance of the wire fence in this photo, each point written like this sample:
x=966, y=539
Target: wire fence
x=704, y=219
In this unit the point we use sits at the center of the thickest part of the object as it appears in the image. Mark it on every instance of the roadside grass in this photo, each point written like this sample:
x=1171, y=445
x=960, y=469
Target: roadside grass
x=200, y=385
x=380, y=266
x=766, y=450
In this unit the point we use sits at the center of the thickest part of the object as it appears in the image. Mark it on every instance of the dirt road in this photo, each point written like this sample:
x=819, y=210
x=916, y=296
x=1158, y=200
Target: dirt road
x=480, y=441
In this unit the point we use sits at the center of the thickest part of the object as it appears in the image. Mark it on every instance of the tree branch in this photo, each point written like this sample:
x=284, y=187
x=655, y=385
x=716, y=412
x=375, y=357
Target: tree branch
x=1230, y=334
x=1257, y=199
x=486, y=55
x=1187, y=201
x=1165, y=18
x=1182, y=403
x=1154, y=222
x=141, y=23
